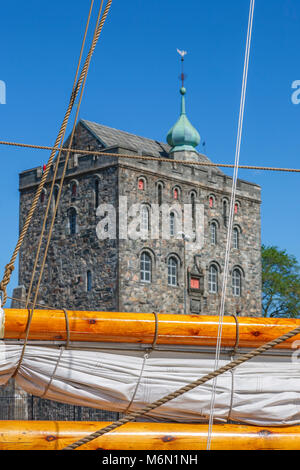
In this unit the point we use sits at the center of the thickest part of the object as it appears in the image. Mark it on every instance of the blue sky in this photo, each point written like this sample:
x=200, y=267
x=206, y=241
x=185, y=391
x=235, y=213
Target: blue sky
x=133, y=85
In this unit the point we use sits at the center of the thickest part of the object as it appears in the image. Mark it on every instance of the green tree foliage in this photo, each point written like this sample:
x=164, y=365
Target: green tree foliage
x=280, y=283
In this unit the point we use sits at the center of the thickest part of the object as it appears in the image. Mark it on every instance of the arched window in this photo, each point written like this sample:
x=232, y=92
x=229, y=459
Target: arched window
x=213, y=233
x=211, y=202
x=172, y=224
x=146, y=268
x=96, y=189
x=159, y=193
x=72, y=221
x=225, y=212
x=176, y=194
x=236, y=238
x=236, y=208
x=89, y=281
x=236, y=283
x=172, y=271
x=145, y=219
x=193, y=202
x=141, y=184
x=213, y=279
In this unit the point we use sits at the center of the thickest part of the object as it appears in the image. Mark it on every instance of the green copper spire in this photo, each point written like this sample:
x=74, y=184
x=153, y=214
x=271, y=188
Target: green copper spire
x=183, y=136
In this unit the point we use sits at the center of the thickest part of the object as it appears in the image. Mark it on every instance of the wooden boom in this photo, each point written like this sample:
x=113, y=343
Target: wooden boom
x=55, y=435
x=193, y=330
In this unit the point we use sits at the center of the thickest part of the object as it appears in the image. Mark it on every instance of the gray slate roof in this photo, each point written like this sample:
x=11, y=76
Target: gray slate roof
x=110, y=137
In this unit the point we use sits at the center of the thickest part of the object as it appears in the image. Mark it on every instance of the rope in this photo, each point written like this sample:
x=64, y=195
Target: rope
x=231, y=215
x=98, y=29
x=146, y=356
x=62, y=349
x=9, y=268
x=187, y=388
x=57, y=165
x=53, y=373
x=237, y=341
x=155, y=332
x=155, y=159
x=231, y=396
x=30, y=303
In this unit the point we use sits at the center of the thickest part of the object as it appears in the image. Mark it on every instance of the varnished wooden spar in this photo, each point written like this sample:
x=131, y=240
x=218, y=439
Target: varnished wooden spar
x=193, y=330
x=55, y=435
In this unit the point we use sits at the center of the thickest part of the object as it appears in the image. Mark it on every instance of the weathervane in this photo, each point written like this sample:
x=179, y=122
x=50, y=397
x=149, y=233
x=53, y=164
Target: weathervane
x=182, y=75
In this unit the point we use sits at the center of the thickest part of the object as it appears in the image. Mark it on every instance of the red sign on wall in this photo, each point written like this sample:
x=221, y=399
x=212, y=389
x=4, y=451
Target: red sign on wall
x=195, y=283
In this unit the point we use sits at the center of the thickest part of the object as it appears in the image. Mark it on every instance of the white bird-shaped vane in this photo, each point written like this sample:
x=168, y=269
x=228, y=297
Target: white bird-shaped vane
x=182, y=53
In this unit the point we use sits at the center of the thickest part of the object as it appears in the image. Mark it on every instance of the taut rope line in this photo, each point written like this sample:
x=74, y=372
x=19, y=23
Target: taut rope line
x=231, y=216
x=155, y=159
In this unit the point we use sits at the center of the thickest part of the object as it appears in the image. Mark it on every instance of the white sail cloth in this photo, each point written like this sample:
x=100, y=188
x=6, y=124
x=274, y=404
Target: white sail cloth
x=264, y=391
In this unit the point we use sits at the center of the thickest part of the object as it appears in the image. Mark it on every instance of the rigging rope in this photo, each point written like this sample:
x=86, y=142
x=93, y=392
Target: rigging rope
x=144, y=157
x=10, y=266
x=187, y=388
x=231, y=217
x=57, y=166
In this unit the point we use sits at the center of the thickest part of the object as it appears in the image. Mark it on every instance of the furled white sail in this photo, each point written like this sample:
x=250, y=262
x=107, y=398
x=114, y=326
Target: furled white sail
x=264, y=391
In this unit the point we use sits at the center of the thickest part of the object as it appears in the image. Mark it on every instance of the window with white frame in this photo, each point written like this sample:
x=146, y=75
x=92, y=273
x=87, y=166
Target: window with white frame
x=145, y=219
x=146, y=267
x=213, y=279
x=236, y=238
x=213, y=233
x=236, y=283
x=172, y=271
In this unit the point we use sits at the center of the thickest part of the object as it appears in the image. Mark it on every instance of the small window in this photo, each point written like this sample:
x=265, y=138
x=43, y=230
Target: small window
x=172, y=224
x=236, y=208
x=236, y=238
x=43, y=196
x=146, y=268
x=89, y=281
x=193, y=202
x=141, y=184
x=236, y=283
x=211, y=202
x=213, y=233
x=145, y=219
x=172, y=272
x=96, y=193
x=159, y=194
x=176, y=194
x=55, y=194
x=74, y=189
x=72, y=221
x=225, y=212
x=213, y=279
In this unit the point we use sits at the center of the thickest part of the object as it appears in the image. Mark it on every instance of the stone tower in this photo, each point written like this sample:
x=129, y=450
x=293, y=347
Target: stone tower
x=124, y=233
